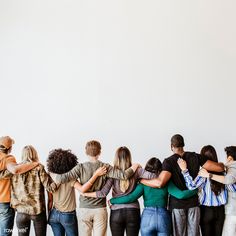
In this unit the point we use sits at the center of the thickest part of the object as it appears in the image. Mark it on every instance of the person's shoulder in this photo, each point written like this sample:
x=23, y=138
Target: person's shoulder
x=192, y=154
x=171, y=158
x=104, y=164
x=39, y=167
x=10, y=158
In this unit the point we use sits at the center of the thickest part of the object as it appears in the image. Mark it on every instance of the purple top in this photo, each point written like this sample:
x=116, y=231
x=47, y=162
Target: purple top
x=116, y=192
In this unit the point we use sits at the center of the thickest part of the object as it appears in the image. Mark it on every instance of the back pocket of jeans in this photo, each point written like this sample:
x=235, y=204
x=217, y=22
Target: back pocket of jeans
x=68, y=218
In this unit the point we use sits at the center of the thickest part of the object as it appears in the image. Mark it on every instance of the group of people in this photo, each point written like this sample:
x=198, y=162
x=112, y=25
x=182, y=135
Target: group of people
x=189, y=194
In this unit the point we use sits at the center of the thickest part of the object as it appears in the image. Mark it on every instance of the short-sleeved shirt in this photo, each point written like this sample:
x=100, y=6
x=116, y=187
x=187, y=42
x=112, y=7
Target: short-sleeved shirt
x=64, y=198
x=194, y=162
x=5, y=184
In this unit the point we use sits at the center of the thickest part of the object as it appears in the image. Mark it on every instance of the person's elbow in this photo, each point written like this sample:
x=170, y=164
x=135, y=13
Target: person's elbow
x=14, y=170
x=161, y=184
x=82, y=190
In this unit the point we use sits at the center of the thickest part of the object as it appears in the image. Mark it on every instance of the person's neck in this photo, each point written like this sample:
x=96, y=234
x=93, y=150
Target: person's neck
x=93, y=159
x=179, y=151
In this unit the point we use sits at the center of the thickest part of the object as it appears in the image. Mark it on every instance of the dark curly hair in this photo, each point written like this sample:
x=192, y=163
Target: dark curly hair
x=61, y=161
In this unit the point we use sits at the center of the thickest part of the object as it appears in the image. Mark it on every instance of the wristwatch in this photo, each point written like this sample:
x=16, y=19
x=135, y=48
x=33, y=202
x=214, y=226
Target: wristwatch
x=210, y=175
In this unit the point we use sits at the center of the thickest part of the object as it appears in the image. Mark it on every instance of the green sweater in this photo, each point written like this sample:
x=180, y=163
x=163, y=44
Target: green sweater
x=153, y=197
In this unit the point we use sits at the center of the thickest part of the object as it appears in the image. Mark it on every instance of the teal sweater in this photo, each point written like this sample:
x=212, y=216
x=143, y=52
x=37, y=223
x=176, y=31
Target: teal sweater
x=153, y=197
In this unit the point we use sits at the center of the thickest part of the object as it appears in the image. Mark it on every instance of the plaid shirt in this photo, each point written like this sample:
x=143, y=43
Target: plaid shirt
x=27, y=190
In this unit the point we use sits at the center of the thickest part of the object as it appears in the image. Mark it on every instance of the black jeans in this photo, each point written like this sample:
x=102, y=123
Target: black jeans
x=23, y=224
x=126, y=219
x=212, y=220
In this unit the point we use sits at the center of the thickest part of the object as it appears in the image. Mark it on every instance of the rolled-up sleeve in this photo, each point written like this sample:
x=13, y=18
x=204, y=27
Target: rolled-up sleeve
x=230, y=177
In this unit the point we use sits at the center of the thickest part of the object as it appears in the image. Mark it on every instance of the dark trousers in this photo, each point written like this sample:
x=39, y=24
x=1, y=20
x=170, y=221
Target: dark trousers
x=23, y=222
x=126, y=219
x=212, y=220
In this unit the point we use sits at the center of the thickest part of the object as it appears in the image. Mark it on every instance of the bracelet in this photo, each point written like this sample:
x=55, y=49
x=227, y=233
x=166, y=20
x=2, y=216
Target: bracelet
x=90, y=182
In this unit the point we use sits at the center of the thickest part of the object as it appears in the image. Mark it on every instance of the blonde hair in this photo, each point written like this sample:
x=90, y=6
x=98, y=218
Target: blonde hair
x=29, y=154
x=122, y=162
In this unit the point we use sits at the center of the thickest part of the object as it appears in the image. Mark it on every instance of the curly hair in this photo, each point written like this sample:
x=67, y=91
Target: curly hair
x=61, y=161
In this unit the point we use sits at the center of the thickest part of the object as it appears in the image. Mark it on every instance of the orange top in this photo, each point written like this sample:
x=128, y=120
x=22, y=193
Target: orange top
x=5, y=184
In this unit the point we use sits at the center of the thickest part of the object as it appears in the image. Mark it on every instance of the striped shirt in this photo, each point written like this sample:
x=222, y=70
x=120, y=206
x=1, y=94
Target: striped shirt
x=206, y=196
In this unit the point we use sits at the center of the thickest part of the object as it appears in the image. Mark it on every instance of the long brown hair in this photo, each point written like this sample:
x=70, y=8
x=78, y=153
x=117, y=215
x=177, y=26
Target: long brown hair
x=122, y=162
x=210, y=152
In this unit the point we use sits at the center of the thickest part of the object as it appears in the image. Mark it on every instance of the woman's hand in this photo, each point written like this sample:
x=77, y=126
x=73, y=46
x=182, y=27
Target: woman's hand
x=135, y=166
x=182, y=164
x=203, y=173
x=101, y=171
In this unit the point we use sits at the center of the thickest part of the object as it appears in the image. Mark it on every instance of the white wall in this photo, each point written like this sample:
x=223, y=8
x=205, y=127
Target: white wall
x=125, y=72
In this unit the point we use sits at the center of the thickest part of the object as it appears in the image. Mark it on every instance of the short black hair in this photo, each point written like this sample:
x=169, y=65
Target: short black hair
x=177, y=141
x=231, y=151
x=154, y=165
x=61, y=161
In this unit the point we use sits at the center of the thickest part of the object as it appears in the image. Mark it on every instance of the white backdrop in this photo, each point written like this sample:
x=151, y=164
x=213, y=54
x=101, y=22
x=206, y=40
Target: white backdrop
x=125, y=72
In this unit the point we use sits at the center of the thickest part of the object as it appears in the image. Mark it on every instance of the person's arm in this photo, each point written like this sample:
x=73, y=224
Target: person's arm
x=190, y=183
x=231, y=187
x=15, y=168
x=119, y=174
x=85, y=187
x=158, y=182
x=180, y=194
x=73, y=174
x=132, y=197
x=50, y=201
x=193, y=184
x=143, y=174
x=213, y=166
x=219, y=178
x=46, y=180
x=103, y=192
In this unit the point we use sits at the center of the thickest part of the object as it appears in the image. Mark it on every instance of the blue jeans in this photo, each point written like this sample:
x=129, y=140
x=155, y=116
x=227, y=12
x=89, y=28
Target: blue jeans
x=7, y=215
x=63, y=222
x=155, y=221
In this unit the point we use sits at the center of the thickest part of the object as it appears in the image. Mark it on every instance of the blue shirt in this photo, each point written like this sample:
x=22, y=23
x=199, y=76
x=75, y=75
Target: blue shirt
x=206, y=196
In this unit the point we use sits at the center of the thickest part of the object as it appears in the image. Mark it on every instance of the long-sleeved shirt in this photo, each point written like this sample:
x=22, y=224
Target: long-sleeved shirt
x=206, y=196
x=27, y=190
x=230, y=178
x=153, y=197
x=116, y=191
x=84, y=172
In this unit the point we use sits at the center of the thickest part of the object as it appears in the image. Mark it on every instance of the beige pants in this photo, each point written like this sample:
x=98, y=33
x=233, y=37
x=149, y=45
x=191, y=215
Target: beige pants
x=92, y=220
x=229, y=226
